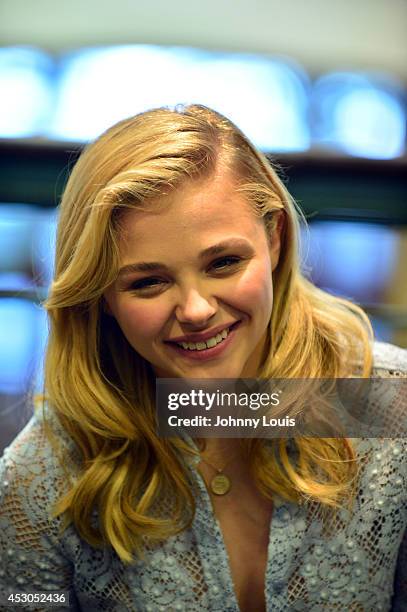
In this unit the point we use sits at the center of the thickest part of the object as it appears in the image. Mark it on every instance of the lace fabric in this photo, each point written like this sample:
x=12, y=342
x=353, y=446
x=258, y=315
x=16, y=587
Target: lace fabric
x=361, y=566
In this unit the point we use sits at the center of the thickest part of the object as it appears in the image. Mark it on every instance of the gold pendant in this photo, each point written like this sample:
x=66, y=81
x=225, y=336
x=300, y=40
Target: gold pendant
x=220, y=484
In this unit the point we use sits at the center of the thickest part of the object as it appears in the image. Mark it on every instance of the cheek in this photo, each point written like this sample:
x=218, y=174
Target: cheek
x=254, y=290
x=141, y=321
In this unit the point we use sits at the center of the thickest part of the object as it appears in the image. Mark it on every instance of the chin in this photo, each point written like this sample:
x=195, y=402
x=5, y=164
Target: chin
x=215, y=371
x=208, y=371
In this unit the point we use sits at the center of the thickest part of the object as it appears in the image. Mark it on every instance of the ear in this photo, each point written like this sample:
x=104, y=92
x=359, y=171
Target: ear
x=276, y=237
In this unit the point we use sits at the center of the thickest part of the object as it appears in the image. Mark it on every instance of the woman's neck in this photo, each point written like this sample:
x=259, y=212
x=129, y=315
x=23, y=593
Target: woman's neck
x=222, y=450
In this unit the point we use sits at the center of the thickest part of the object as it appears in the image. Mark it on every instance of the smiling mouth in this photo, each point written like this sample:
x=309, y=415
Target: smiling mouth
x=210, y=343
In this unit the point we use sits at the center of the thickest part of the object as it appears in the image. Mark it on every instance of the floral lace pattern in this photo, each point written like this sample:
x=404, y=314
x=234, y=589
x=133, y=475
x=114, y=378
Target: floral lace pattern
x=360, y=566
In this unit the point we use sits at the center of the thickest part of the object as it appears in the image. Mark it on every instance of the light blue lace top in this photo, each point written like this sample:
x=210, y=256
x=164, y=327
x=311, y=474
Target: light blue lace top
x=360, y=566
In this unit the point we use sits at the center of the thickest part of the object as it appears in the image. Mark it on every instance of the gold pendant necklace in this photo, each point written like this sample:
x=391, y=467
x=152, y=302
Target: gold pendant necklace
x=219, y=484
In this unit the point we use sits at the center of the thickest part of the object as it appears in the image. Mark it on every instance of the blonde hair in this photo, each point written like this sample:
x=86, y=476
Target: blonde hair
x=103, y=392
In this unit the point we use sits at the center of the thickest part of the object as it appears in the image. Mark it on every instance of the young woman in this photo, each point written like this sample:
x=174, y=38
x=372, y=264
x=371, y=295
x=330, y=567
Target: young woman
x=177, y=257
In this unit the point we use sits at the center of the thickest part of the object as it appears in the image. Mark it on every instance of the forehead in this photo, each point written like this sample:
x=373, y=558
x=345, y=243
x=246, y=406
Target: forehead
x=196, y=207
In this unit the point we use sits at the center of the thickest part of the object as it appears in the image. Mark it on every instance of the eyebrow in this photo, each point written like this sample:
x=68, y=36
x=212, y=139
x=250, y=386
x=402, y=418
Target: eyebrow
x=216, y=249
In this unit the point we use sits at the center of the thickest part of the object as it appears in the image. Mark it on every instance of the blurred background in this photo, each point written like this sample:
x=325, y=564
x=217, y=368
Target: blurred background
x=321, y=87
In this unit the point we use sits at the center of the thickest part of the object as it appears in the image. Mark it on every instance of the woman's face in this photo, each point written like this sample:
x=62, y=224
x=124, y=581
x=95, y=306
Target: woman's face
x=194, y=295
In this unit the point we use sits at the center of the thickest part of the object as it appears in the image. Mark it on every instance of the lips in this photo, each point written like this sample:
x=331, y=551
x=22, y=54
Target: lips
x=203, y=336
x=205, y=354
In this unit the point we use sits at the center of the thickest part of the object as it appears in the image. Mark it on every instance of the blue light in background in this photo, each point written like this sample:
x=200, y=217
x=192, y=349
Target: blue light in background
x=355, y=260
x=22, y=338
x=267, y=99
x=98, y=87
x=43, y=247
x=26, y=81
x=16, y=233
x=359, y=115
x=27, y=245
x=27, y=237
x=90, y=89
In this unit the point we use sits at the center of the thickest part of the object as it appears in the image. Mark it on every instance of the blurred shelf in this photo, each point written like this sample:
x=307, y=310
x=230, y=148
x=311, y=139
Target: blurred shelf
x=37, y=294
x=326, y=185
x=389, y=313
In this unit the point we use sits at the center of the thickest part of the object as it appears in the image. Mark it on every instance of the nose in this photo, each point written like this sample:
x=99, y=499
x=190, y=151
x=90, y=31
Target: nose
x=194, y=308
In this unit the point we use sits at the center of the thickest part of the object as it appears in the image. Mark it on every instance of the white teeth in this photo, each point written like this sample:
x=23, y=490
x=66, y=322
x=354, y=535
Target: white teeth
x=210, y=343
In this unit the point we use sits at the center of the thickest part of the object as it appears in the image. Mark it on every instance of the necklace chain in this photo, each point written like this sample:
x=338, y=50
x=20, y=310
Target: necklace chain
x=214, y=466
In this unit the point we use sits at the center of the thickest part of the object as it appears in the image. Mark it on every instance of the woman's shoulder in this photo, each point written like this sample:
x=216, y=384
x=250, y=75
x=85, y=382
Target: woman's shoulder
x=32, y=469
x=386, y=403
x=32, y=478
x=389, y=361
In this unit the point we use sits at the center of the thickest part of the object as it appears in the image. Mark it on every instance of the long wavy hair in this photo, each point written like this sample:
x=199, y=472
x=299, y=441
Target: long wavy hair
x=103, y=392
